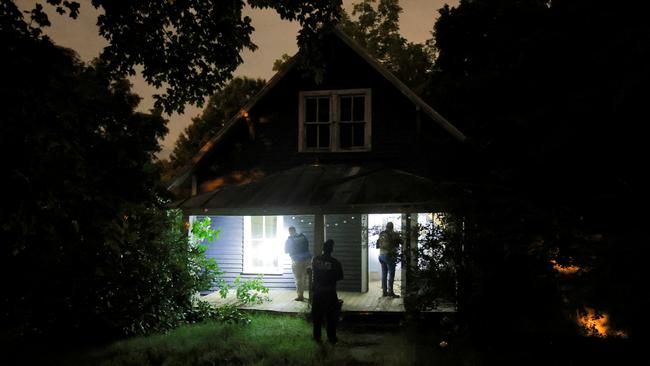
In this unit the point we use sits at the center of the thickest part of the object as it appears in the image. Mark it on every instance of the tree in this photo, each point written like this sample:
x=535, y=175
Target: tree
x=222, y=106
x=377, y=30
x=85, y=246
x=278, y=65
x=542, y=88
x=190, y=48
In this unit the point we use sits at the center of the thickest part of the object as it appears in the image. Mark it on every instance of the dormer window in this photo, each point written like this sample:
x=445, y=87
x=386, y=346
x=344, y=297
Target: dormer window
x=334, y=120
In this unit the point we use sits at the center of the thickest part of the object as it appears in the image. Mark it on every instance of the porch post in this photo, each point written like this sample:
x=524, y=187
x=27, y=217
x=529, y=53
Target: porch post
x=406, y=253
x=319, y=233
x=410, y=256
x=364, y=253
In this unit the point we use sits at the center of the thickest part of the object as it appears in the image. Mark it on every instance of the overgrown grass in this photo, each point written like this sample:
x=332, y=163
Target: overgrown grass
x=267, y=340
x=275, y=340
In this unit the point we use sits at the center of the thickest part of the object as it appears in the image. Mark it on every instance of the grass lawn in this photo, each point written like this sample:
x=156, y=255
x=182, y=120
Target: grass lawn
x=286, y=340
x=267, y=340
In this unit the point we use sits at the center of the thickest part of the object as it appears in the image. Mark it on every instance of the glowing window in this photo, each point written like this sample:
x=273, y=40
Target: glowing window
x=263, y=244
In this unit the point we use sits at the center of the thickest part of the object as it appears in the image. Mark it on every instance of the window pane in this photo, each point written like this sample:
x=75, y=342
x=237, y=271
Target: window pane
x=324, y=136
x=359, y=108
x=257, y=230
x=346, y=108
x=258, y=260
x=270, y=226
x=258, y=253
x=310, y=110
x=359, y=134
x=346, y=135
x=323, y=109
x=311, y=131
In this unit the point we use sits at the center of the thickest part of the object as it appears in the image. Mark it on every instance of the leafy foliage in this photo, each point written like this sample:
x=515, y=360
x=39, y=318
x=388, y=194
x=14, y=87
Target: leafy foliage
x=207, y=276
x=542, y=87
x=205, y=270
x=190, y=48
x=251, y=291
x=377, y=30
x=86, y=245
x=279, y=64
x=150, y=273
x=435, y=276
x=81, y=238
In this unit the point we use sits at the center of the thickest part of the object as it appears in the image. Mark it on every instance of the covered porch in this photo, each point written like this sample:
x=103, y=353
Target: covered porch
x=282, y=301
x=338, y=202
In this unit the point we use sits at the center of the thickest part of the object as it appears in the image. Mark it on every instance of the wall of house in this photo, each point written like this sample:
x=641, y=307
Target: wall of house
x=345, y=230
x=228, y=249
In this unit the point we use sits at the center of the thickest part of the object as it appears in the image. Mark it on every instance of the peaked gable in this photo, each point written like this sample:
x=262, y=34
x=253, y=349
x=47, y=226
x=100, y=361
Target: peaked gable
x=228, y=127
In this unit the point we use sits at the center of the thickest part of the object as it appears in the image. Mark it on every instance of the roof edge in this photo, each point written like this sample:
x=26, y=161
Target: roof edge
x=410, y=94
x=189, y=168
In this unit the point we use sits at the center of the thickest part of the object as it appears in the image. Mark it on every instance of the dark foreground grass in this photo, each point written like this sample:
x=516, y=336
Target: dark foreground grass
x=267, y=340
x=286, y=340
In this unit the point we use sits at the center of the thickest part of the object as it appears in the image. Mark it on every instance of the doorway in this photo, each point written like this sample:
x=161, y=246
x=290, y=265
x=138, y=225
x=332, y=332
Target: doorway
x=377, y=223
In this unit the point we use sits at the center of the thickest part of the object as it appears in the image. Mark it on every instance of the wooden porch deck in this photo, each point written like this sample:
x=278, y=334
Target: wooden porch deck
x=371, y=301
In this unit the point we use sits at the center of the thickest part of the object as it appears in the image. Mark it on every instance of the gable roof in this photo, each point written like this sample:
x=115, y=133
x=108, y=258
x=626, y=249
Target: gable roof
x=228, y=126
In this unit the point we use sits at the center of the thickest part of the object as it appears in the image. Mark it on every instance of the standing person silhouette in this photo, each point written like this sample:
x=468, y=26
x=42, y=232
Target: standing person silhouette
x=297, y=246
x=388, y=243
x=327, y=271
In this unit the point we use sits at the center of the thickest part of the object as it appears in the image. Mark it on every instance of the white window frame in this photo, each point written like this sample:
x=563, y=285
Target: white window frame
x=277, y=248
x=335, y=119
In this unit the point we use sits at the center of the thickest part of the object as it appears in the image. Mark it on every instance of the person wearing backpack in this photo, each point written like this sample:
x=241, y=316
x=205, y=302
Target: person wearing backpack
x=388, y=243
x=297, y=246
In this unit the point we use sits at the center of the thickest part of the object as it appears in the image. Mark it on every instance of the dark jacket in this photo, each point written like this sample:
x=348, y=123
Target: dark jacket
x=298, y=248
x=326, y=271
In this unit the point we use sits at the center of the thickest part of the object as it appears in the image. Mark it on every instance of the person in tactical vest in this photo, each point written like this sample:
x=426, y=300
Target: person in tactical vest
x=388, y=243
x=297, y=246
x=327, y=271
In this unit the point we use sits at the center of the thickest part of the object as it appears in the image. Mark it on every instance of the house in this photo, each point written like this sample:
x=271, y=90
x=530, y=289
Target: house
x=332, y=158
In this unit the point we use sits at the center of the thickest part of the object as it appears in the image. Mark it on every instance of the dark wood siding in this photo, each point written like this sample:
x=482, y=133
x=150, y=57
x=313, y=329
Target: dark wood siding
x=345, y=230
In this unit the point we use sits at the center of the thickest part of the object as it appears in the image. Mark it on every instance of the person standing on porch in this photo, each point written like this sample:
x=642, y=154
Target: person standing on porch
x=388, y=243
x=297, y=246
x=325, y=304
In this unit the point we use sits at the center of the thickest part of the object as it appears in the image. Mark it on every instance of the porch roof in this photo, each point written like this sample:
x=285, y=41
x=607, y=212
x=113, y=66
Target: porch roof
x=322, y=189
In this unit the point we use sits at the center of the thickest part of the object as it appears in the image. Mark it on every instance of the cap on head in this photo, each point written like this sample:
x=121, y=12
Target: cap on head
x=328, y=246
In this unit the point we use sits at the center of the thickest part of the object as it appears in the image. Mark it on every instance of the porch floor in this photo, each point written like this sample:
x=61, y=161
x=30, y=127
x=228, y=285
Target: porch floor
x=282, y=300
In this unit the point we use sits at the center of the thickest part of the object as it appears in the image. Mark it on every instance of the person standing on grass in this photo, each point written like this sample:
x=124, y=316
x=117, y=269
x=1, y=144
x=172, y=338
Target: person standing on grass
x=388, y=243
x=327, y=271
x=297, y=246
